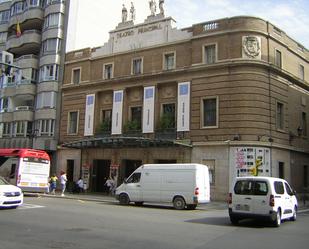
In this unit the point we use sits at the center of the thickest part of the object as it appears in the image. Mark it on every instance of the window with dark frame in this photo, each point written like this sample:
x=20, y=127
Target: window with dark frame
x=76, y=76
x=304, y=123
x=301, y=72
x=169, y=61
x=136, y=116
x=169, y=114
x=278, y=59
x=72, y=129
x=210, y=112
x=137, y=66
x=210, y=54
x=108, y=71
x=106, y=122
x=280, y=116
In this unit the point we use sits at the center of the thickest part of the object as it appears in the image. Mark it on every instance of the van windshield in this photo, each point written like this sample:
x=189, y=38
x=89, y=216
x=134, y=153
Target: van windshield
x=134, y=178
x=251, y=187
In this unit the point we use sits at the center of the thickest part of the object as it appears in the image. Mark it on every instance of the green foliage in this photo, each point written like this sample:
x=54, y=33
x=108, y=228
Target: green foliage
x=132, y=126
x=105, y=125
x=167, y=121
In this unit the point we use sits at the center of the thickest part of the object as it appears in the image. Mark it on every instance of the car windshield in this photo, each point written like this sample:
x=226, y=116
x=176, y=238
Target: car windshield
x=3, y=182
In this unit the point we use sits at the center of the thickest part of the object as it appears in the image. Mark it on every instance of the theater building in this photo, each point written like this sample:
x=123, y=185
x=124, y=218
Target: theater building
x=229, y=93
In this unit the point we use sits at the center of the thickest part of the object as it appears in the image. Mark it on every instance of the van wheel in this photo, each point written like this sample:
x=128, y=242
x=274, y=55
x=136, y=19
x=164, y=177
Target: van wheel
x=191, y=207
x=277, y=219
x=124, y=199
x=179, y=203
x=293, y=218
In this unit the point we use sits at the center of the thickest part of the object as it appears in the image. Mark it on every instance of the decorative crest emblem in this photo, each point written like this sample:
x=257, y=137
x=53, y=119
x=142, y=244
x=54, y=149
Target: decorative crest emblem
x=251, y=46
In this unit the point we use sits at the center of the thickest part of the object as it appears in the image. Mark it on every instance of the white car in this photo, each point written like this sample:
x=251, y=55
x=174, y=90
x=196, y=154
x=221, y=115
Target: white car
x=267, y=198
x=10, y=195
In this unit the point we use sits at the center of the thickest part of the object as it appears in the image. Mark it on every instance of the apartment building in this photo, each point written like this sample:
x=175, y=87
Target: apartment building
x=32, y=45
x=231, y=93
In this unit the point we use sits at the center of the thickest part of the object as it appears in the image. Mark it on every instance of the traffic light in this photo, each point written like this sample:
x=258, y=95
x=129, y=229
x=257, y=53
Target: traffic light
x=255, y=169
x=258, y=163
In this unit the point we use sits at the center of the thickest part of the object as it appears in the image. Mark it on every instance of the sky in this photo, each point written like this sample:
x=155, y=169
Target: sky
x=91, y=20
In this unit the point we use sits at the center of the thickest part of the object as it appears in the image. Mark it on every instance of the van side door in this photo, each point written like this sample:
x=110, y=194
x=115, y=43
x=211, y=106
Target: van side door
x=279, y=195
x=289, y=200
x=261, y=197
x=151, y=185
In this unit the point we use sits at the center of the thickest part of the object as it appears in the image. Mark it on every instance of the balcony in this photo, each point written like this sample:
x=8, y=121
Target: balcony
x=6, y=115
x=28, y=43
x=25, y=87
x=45, y=113
x=23, y=113
x=27, y=61
x=166, y=134
x=30, y=18
x=54, y=8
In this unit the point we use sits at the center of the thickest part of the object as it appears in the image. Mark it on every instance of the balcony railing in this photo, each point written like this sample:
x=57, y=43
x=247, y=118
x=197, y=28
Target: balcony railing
x=133, y=133
x=166, y=134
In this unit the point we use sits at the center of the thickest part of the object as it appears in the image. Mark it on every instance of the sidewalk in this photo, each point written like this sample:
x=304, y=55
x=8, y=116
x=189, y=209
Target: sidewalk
x=111, y=199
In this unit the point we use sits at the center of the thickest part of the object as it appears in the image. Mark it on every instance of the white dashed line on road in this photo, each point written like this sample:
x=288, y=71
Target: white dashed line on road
x=29, y=206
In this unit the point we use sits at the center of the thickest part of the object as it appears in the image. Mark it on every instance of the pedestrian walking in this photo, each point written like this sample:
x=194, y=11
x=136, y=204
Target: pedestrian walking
x=110, y=183
x=53, y=184
x=80, y=185
x=63, y=181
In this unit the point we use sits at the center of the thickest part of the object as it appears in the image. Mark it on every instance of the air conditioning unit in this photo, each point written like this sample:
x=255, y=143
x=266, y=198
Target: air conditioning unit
x=22, y=108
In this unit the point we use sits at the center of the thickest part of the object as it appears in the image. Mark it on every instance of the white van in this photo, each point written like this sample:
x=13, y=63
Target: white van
x=183, y=185
x=262, y=197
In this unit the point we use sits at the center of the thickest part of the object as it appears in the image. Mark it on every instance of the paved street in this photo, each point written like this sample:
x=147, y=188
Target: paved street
x=74, y=223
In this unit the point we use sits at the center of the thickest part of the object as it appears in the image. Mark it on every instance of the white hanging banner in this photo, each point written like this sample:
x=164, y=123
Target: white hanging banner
x=89, y=115
x=183, y=107
x=117, y=112
x=148, y=109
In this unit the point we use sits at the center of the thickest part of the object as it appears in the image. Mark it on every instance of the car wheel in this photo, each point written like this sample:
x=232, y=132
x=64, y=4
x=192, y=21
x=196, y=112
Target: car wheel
x=179, y=203
x=234, y=220
x=124, y=199
x=293, y=218
x=277, y=219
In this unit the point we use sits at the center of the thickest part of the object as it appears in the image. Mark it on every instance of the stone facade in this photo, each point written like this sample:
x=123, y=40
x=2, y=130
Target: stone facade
x=246, y=77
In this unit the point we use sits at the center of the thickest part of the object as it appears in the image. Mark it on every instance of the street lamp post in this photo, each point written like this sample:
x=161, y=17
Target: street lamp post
x=33, y=136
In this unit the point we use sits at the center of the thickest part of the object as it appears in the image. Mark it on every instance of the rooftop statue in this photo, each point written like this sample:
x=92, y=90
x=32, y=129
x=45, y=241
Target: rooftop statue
x=124, y=13
x=153, y=7
x=161, y=2
x=132, y=12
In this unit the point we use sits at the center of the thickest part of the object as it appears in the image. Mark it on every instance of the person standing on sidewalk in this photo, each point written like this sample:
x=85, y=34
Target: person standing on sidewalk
x=63, y=181
x=53, y=184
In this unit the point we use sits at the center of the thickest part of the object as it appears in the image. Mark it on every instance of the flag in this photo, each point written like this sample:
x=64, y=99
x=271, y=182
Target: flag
x=18, y=30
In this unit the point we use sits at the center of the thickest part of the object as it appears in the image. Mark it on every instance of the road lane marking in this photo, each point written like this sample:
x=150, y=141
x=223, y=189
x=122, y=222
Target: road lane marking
x=29, y=206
